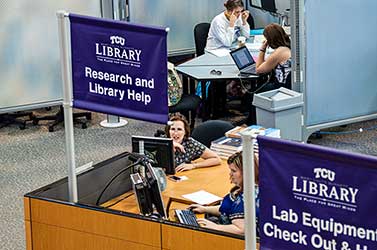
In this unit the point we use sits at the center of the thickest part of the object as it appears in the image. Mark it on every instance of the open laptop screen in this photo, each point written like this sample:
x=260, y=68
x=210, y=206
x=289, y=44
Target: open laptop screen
x=242, y=57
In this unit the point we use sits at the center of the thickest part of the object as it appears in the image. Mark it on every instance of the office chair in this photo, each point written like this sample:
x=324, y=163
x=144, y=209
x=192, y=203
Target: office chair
x=250, y=21
x=59, y=117
x=211, y=130
x=186, y=104
x=13, y=118
x=200, y=37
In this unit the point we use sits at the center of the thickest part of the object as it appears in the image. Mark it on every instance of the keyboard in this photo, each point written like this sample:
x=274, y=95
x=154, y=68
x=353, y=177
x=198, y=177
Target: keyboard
x=186, y=217
x=251, y=69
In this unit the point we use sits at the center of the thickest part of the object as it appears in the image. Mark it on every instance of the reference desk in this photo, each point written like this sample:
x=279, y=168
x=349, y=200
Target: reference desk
x=52, y=222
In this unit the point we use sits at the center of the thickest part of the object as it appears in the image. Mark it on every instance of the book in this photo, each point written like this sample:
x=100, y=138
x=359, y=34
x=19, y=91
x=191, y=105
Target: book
x=254, y=129
x=228, y=143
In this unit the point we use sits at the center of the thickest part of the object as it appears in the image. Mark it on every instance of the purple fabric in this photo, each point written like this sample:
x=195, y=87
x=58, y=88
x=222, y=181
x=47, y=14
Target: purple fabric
x=119, y=68
x=302, y=185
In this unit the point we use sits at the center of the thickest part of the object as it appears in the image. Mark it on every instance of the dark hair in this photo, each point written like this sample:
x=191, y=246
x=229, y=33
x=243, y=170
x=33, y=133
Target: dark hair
x=232, y=4
x=178, y=117
x=276, y=36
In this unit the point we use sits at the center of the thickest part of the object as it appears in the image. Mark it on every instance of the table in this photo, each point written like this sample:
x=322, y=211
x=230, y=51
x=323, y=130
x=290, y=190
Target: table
x=200, y=67
x=214, y=180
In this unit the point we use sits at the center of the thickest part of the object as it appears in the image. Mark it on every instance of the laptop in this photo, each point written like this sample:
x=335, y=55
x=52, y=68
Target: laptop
x=244, y=61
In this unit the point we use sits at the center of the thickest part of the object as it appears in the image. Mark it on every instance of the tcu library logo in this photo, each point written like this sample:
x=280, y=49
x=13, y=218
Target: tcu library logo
x=116, y=52
x=324, y=174
x=118, y=40
x=322, y=190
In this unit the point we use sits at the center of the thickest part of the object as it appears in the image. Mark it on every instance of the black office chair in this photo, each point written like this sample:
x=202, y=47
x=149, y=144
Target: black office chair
x=14, y=118
x=250, y=21
x=59, y=118
x=188, y=103
x=211, y=130
x=200, y=37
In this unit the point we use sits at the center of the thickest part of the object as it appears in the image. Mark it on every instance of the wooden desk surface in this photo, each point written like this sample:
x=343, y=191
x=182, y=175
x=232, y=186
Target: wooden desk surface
x=214, y=180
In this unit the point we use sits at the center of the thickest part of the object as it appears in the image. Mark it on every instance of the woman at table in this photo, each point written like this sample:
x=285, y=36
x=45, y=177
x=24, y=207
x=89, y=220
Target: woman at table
x=231, y=210
x=279, y=62
x=228, y=26
x=186, y=148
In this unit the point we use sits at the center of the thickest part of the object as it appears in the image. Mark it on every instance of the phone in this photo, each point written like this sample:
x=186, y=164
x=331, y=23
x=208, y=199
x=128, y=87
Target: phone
x=174, y=178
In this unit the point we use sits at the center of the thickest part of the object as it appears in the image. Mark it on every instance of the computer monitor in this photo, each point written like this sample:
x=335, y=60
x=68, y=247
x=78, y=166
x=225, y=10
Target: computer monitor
x=157, y=149
x=267, y=5
x=147, y=191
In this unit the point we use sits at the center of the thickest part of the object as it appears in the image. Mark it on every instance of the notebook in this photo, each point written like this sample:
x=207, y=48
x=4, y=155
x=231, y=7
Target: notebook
x=244, y=61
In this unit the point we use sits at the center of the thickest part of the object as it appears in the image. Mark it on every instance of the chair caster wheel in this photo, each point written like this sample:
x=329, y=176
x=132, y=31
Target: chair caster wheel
x=35, y=122
x=84, y=126
x=50, y=129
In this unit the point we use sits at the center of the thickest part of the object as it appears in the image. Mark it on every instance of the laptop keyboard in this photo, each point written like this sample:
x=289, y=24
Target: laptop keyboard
x=186, y=217
x=249, y=69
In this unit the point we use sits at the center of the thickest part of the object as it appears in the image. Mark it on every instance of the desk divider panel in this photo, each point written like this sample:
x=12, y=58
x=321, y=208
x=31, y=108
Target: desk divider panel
x=64, y=220
x=338, y=61
x=180, y=238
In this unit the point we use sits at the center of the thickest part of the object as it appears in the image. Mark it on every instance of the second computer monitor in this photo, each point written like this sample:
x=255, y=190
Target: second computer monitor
x=159, y=150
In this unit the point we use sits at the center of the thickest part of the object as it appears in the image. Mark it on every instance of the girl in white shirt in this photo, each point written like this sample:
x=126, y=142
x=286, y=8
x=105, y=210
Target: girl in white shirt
x=228, y=25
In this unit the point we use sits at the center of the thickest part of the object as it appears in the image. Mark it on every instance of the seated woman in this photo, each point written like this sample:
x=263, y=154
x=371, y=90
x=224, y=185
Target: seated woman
x=227, y=26
x=279, y=61
x=231, y=210
x=186, y=148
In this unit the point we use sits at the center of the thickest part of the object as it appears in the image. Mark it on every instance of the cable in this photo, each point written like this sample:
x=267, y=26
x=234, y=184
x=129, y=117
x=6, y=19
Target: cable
x=115, y=176
x=355, y=131
x=259, y=88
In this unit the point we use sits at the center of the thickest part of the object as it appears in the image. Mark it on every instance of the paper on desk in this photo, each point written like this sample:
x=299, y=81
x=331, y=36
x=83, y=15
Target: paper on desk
x=219, y=52
x=202, y=197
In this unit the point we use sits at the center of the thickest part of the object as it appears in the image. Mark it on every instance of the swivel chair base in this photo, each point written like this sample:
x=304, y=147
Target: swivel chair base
x=59, y=118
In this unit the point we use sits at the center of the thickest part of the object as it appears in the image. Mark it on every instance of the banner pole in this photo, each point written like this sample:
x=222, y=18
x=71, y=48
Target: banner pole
x=67, y=104
x=249, y=191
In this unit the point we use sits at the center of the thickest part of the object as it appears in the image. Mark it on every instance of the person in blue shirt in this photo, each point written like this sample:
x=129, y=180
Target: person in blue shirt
x=230, y=212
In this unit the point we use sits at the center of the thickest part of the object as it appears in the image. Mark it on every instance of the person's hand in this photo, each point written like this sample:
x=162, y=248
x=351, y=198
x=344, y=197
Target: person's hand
x=179, y=147
x=184, y=167
x=206, y=223
x=196, y=208
x=232, y=19
x=264, y=46
x=245, y=14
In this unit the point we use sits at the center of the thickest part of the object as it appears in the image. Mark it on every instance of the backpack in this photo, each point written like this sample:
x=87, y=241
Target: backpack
x=175, y=88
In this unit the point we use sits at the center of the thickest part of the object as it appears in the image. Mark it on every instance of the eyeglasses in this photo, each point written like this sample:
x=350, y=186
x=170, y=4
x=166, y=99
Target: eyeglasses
x=215, y=72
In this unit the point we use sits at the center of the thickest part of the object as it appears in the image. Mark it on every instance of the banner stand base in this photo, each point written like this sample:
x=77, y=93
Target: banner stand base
x=113, y=122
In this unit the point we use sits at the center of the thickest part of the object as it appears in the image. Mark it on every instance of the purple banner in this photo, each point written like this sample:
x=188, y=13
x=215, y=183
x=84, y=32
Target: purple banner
x=313, y=197
x=119, y=68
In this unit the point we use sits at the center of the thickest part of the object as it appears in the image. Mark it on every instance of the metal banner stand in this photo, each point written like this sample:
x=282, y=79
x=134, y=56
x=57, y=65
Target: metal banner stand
x=249, y=191
x=113, y=121
x=67, y=104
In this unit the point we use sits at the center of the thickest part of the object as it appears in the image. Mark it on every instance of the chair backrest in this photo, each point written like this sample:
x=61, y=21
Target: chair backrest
x=200, y=37
x=211, y=130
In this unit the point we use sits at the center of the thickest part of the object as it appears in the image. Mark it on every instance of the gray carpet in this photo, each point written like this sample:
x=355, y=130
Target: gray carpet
x=33, y=157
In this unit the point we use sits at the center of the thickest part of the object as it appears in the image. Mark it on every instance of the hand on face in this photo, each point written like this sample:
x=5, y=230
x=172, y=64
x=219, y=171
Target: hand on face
x=245, y=14
x=232, y=19
x=179, y=147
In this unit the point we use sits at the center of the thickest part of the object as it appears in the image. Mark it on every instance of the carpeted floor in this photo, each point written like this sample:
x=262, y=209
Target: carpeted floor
x=34, y=157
